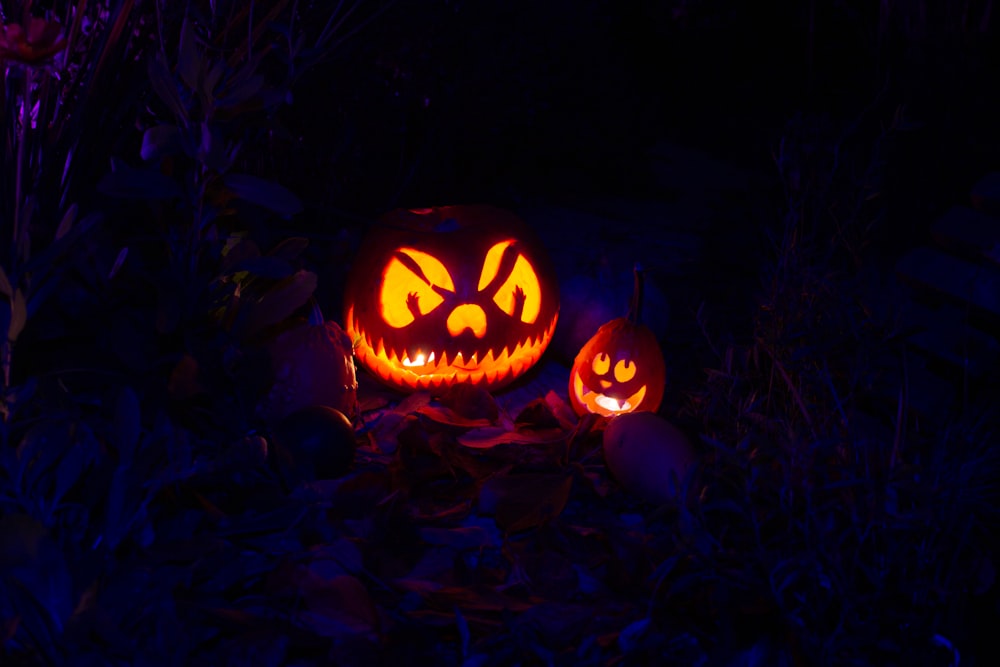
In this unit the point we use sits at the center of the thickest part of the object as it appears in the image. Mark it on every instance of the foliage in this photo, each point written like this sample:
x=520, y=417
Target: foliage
x=833, y=518
x=837, y=501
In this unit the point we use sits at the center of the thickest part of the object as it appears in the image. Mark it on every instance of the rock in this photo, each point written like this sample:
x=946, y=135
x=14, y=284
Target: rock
x=647, y=454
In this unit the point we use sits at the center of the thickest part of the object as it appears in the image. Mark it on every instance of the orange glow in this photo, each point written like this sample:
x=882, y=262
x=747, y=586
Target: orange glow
x=451, y=294
x=522, y=277
x=620, y=369
x=419, y=359
x=624, y=370
x=521, y=281
x=467, y=316
x=602, y=362
x=441, y=369
x=401, y=286
x=601, y=404
x=491, y=265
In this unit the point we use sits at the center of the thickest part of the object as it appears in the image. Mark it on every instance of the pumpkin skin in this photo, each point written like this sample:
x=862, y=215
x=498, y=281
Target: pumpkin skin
x=620, y=369
x=312, y=365
x=448, y=295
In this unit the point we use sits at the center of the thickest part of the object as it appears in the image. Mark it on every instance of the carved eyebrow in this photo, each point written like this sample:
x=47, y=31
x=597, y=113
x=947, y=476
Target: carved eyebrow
x=507, y=260
x=407, y=260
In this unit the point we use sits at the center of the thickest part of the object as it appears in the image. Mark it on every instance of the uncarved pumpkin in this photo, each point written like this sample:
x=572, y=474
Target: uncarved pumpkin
x=448, y=295
x=621, y=368
x=312, y=365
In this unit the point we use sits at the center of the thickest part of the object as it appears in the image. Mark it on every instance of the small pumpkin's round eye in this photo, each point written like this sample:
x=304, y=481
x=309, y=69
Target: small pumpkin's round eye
x=601, y=363
x=625, y=370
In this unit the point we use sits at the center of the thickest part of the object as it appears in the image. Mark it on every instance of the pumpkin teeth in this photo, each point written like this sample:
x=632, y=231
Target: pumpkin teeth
x=422, y=360
x=441, y=368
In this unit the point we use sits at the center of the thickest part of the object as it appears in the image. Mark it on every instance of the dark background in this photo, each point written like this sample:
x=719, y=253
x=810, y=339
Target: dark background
x=440, y=102
x=835, y=124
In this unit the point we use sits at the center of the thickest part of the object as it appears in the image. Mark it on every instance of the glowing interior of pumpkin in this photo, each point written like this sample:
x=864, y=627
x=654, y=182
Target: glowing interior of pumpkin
x=603, y=404
x=487, y=348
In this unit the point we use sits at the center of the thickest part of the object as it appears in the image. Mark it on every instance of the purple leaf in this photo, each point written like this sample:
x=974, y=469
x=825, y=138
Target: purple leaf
x=491, y=436
x=160, y=141
x=164, y=86
x=268, y=194
x=281, y=300
x=448, y=417
x=188, y=57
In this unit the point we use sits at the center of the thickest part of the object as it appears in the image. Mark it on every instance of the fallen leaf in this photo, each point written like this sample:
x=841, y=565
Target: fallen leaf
x=490, y=436
x=561, y=410
x=384, y=431
x=520, y=502
x=470, y=402
x=448, y=417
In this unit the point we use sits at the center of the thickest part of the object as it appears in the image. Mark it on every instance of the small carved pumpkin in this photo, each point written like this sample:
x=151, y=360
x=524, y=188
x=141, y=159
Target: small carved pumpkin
x=620, y=369
x=448, y=295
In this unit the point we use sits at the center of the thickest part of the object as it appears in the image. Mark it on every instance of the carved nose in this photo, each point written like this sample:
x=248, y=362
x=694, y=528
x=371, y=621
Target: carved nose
x=467, y=316
x=605, y=384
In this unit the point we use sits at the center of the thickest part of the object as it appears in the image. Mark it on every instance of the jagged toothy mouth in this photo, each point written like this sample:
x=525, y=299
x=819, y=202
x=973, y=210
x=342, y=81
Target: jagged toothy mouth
x=602, y=404
x=429, y=369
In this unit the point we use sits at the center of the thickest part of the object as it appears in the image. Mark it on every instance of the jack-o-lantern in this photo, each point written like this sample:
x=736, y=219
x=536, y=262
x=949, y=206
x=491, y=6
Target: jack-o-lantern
x=621, y=368
x=447, y=295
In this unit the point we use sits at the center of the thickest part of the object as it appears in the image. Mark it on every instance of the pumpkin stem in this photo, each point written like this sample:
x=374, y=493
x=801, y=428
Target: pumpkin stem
x=635, y=307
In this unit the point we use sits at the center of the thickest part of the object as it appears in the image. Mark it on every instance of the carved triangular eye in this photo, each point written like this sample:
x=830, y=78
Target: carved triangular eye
x=520, y=293
x=409, y=284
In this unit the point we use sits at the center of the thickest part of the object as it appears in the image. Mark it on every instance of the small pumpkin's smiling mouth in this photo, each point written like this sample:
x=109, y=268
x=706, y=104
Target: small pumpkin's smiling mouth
x=602, y=404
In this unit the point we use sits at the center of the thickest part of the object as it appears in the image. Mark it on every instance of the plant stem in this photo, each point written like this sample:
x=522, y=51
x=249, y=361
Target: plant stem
x=635, y=307
x=22, y=140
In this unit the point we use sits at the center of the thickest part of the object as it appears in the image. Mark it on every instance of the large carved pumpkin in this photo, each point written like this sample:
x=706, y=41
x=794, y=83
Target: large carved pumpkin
x=621, y=368
x=454, y=294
